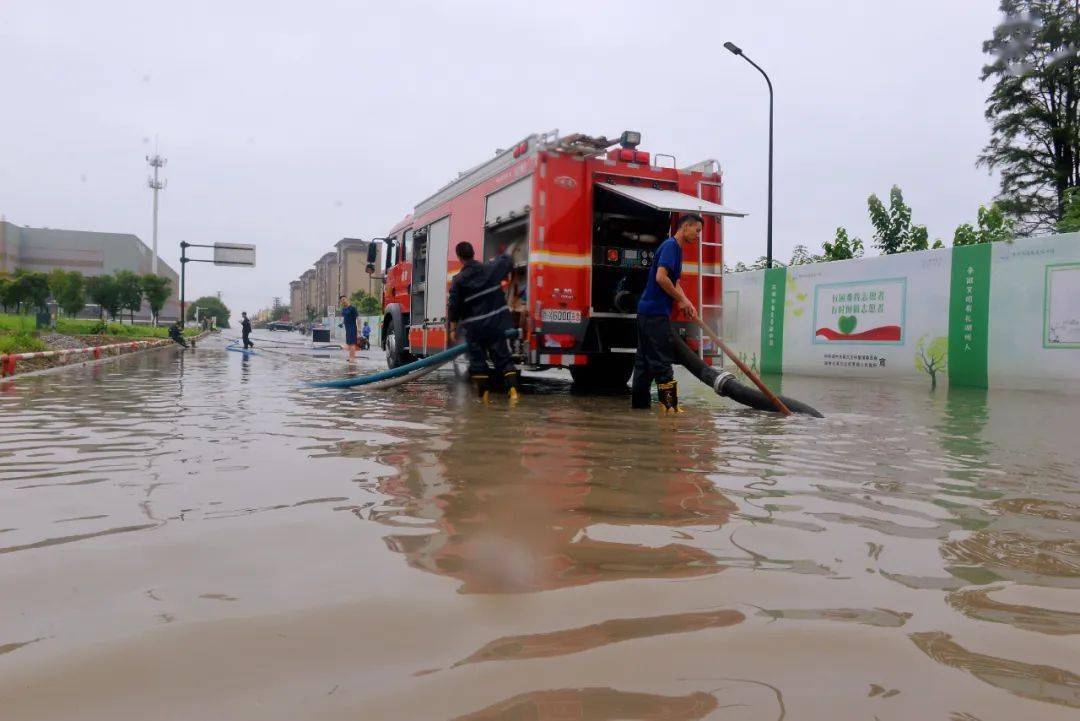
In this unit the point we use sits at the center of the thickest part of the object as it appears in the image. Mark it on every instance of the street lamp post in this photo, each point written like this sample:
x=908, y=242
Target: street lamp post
x=736, y=50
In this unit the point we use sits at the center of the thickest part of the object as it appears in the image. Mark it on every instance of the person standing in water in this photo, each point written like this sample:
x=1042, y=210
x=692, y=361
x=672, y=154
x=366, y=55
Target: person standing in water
x=245, y=330
x=365, y=335
x=176, y=332
x=653, y=361
x=348, y=319
x=477, y=305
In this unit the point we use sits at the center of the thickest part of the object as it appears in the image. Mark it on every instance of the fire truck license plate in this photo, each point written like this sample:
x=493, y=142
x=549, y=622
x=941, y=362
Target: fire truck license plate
x=549, y=315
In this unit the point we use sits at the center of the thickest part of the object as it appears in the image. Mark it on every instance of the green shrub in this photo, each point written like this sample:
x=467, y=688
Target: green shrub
x=20, y=342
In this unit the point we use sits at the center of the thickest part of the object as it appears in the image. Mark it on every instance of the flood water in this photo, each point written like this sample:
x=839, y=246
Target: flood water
x=201, y=536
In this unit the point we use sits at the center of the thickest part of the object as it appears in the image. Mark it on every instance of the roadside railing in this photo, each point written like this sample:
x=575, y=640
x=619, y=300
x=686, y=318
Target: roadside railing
x=10, y=360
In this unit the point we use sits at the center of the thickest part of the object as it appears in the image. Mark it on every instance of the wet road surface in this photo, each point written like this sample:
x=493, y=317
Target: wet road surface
x=202, y=536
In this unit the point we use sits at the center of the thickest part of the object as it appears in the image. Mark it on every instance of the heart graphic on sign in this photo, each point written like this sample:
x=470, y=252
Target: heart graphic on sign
x=847, y=324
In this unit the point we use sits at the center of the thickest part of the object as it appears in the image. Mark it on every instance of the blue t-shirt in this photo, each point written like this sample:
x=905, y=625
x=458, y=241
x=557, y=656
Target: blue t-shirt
x=654, y=301
x=348, y=317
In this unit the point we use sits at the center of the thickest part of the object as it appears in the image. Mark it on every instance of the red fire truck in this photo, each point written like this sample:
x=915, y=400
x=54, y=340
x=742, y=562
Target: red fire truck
x=582, y=217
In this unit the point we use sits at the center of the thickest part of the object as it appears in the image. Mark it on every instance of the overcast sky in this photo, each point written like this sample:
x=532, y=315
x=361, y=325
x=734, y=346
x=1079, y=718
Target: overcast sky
x=293, y=125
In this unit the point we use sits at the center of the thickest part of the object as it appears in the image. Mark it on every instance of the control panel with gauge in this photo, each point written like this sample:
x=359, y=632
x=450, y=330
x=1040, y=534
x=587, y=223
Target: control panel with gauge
x=629, y=258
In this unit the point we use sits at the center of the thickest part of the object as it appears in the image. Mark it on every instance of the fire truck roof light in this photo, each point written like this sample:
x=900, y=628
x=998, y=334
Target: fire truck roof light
x=630, y=139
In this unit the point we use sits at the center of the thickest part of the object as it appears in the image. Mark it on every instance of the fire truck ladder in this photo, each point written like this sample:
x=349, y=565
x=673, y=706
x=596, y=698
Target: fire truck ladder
x=701, y=294
x=701, y=270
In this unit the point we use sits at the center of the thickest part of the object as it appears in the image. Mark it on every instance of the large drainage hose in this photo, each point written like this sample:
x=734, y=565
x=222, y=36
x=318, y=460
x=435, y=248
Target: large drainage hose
x=402, y=374
x=725, y=384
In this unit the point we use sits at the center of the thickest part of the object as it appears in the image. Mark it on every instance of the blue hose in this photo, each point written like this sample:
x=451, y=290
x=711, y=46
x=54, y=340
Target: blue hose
x=436, y=360
x=409, y=369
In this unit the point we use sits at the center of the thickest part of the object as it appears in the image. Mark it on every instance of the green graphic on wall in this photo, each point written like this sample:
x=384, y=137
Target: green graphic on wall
x=969, y=315
x=772, y=320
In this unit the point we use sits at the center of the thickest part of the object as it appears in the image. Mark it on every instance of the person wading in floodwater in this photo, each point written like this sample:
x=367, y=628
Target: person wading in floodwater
x=245, y=330
x=654, y=356
x=477, y=305
x=176, y=332
x=348, y=319
x=365, y=336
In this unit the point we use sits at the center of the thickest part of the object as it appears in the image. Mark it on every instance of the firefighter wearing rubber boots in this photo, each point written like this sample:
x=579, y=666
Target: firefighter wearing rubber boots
x=654, y=358
x=477, y=307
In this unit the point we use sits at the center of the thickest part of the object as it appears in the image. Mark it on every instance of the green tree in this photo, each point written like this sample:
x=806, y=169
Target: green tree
x=932, y=356
x=800, y=255
x=312, y=313
x=366, y=304
x=211, y=306
x=7, y=294
x=103, y=290
x=68, y=290
x=29, y=289
x=130, y=290
x=842, y=247
x=156, y=288
x=893, y=231
x=1032, y=108
x=278, y=312
x=992, y=226
x=1070, y=221
x=762, y=262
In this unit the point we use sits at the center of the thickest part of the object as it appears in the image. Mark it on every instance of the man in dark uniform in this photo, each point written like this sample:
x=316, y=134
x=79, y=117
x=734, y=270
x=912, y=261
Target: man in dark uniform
x=176, y=332
x=245, y=330
x=477, y=306
x=654, y=349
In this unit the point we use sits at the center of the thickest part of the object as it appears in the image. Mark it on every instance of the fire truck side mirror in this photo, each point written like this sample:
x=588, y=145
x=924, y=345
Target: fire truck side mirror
x=372, y=252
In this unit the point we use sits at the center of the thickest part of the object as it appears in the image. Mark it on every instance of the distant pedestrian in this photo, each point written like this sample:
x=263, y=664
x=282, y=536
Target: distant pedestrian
x=365, y=336
x=245, y=331
x=349, y=315
x=176, y=332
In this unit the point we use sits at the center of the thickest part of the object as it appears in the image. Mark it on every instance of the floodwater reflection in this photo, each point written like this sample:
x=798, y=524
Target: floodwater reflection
x=208, y=519
x=511, y=503
x=597, y=704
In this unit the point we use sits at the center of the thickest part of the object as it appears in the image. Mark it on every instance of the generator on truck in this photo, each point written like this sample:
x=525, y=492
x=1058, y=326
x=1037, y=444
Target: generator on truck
x=582, y=218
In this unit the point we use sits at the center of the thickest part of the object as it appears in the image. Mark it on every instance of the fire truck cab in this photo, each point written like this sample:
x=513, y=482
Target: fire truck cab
x=582, y=217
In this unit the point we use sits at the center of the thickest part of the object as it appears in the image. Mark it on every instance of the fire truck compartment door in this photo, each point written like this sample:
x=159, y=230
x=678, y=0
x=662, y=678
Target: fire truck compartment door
x=509, y=202
x=671, y=201
x=437, y=256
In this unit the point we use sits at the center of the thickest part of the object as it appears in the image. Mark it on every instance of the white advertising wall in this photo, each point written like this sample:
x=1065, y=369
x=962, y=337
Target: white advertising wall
x=865, y=318
x=1002, y=315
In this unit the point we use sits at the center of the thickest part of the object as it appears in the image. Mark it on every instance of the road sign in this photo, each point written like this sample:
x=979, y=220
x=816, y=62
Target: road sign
x=234, y=254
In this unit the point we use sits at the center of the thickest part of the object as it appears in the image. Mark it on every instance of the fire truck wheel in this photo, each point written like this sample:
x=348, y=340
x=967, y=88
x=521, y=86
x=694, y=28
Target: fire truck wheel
x=394, y=354
x=394, y=338
x=604, y=373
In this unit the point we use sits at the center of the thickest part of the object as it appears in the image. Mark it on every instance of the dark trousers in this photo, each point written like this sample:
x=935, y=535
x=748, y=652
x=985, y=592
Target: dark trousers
x=247, y=341
x=483, y=348
x=654, y=357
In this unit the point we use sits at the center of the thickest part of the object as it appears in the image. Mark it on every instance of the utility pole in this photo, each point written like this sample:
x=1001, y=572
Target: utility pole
x=156, y=162
x=736, y=50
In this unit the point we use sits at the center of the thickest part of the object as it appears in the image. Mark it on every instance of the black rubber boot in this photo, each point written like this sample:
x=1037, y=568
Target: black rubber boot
x=669, y=396
x=481, y=383
x=510, y=380
x=640, y=393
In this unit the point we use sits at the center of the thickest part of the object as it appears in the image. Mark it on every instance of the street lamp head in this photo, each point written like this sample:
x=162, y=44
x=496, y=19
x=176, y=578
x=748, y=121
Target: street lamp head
x=735, y=49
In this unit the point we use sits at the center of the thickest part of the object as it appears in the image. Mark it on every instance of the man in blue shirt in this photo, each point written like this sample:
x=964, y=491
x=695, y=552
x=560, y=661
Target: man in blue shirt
x=653, y=361
x=348, y=320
